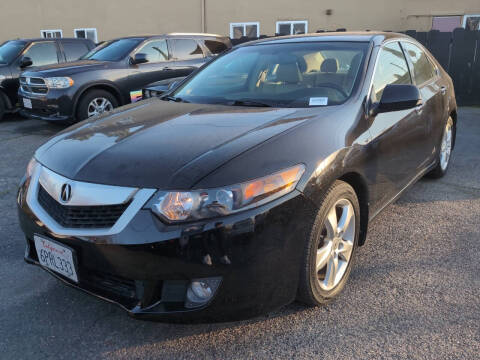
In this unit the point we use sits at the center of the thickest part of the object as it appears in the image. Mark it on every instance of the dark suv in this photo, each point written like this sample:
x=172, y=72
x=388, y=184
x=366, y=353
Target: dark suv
x=113, y=74
x=16, y=55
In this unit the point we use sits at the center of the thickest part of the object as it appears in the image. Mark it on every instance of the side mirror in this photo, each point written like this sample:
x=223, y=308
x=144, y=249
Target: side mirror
x=139, y=58
x=396, y=98
x=25, y=62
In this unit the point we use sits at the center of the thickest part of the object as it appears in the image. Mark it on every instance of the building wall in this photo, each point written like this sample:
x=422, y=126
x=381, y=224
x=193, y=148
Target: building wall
x=397, y=15
x=114, y=18
x=111, y=18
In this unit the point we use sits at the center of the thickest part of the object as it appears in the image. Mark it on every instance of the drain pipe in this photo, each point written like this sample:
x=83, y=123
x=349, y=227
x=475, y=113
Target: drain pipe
x=203, y=16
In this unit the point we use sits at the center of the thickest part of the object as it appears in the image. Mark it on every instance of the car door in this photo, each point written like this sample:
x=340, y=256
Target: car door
x=157, y=68
x=396, y=148
x=187, y=54
x=432, y=88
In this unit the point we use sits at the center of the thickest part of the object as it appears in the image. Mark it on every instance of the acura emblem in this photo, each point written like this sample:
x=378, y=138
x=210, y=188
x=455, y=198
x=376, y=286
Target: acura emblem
x=66, y=193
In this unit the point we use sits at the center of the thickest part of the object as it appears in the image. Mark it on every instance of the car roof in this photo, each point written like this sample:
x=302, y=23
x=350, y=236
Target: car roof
x=170, y=35
x=197, y=35
x=49, y=39
x=377, y=37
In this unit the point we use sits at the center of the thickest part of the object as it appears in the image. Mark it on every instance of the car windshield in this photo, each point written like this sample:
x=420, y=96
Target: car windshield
x=10, y=50
x=113, y=51
x=279, y=75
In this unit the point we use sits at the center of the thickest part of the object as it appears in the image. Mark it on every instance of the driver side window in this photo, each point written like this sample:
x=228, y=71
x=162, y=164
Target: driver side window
x=391, y=69
x=43, y=53
x=156, y=51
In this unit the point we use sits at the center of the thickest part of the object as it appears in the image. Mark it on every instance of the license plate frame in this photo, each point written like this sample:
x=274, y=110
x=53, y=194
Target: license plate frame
x=27, y=103
x=57, y=257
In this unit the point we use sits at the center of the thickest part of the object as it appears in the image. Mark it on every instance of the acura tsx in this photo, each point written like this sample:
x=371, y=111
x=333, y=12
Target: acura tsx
x=248, y=185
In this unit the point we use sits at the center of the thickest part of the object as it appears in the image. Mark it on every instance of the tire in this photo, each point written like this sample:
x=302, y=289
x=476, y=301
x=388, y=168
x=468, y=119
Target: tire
x=85, y=107
x=444, y=154
x=314, y=286
x=2, y=108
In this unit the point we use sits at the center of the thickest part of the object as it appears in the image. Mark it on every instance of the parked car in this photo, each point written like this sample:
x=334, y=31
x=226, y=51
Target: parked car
x=251, y=185
x=17, y=55
x=113, y=74
x=157, y=89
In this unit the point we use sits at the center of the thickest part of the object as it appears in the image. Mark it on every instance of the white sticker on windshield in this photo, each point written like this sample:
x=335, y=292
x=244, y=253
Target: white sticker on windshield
x=318, y=101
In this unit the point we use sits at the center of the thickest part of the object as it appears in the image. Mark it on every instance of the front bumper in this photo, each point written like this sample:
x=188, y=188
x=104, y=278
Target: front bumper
x=56, y=105
x=146, y=267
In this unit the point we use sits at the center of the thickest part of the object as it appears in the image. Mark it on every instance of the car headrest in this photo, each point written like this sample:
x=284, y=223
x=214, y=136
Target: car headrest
x=354, y=65
x=329, y=65
x=289, y=73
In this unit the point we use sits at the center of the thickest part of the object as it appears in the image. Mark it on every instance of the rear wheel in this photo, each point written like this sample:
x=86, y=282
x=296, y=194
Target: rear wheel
x=330, y=249
x=95, y=102
x=444, y=154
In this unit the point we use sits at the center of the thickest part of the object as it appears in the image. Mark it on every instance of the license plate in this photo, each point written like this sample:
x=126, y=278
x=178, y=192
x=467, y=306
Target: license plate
x=56, y=257
x=27, y=103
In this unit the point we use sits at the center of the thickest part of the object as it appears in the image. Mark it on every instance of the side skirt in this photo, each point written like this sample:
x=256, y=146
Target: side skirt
x=406, y=187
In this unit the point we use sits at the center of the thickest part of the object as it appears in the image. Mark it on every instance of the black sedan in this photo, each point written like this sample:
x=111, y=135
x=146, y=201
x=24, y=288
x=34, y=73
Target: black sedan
x=249, y=186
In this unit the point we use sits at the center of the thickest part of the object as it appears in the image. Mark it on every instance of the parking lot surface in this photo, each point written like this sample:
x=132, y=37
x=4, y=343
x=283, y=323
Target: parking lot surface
x=414, y=292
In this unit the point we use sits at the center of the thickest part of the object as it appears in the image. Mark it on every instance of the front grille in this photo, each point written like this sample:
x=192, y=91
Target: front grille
x=33, y=85
x=37, y=81
x=34, y=89
x=104, y=216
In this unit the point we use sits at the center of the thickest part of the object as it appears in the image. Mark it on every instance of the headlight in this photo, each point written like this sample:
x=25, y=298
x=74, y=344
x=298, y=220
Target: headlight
x=58, y=82
x=32, y=164
x=202, y=204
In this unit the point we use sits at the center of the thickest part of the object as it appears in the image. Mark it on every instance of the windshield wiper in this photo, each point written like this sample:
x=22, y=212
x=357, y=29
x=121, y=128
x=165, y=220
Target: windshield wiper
x=250, y=102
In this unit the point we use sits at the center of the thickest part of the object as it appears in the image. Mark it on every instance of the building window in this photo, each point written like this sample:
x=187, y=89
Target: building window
x=471, y=22
x=48, y=34
x=446, y=23
x=292, y=27
x=87, y=33
x=248, y=29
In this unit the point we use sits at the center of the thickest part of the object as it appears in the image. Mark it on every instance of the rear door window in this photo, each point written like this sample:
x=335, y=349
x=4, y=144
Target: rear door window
x=216, y=47
x=423, y=69
x=74, y=50
x=186, y=49
x=43, y=53
x=391, y=69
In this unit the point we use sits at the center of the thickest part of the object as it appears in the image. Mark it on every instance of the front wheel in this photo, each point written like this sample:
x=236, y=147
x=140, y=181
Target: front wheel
x=445, y=151
x=95, y=102
x=2, y=108
x=330, y=248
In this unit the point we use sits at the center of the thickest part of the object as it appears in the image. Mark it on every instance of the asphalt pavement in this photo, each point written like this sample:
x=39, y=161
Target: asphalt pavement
x=414, y=292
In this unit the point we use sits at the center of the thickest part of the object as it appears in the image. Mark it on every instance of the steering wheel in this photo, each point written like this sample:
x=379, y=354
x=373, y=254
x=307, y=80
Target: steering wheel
x=334, y=87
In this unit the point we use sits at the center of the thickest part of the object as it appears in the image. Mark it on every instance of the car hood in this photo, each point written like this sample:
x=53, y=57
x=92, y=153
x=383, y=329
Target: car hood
x=66, y=69
x=159, y=144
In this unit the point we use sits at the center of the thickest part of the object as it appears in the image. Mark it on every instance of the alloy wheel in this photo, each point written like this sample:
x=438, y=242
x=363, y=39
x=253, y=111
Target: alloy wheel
x=446, y=146
x=336, y=244
x=98, y=106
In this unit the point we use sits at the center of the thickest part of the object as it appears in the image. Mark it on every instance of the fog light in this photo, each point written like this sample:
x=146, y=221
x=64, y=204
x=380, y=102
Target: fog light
x=201, y=291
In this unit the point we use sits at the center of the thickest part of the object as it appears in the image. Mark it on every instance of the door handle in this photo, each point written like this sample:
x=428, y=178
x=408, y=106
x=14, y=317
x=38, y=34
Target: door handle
x=166, y=68
x=443, y=89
